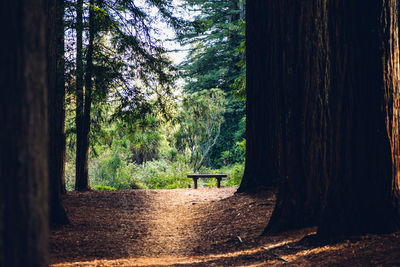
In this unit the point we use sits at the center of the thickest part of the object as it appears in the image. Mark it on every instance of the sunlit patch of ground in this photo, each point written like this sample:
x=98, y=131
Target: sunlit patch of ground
x=204, y=227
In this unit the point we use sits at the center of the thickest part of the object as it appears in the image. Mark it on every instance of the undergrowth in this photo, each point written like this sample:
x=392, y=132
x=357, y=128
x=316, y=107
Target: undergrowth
x=114, y=173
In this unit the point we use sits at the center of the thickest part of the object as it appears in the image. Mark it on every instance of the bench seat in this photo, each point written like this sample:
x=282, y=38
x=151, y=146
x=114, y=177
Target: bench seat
x=195, y=177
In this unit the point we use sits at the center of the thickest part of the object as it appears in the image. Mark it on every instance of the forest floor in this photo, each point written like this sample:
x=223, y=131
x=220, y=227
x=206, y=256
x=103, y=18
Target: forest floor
x=203, y=227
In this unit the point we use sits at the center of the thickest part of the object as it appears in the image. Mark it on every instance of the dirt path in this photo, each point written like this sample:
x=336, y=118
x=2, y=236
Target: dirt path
x=145, y=226
x=187, y=227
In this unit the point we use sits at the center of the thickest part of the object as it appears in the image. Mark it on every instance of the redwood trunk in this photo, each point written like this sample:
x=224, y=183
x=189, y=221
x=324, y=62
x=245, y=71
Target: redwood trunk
x=287, y=113
x=304, y=83
x=263, y=130
x=24, y=187
x=364, y=103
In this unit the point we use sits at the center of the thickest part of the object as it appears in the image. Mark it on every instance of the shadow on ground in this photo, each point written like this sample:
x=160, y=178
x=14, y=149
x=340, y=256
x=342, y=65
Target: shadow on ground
x=205, y=227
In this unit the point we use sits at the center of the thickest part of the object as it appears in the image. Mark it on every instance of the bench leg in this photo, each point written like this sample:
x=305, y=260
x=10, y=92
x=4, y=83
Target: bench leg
x=195, y=182
x=218, y=182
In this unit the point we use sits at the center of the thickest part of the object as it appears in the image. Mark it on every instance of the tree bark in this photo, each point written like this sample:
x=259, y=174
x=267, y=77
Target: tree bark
x=56, y=112
x=295, y=31
x=364, y=179
x=61, y=89
x=24, y=186
x=81, y=182
x=88, y=96
x=325, y=76
x=263, y=130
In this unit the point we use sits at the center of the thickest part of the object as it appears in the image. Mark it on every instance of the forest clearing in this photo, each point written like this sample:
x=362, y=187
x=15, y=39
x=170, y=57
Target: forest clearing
x=204, y=227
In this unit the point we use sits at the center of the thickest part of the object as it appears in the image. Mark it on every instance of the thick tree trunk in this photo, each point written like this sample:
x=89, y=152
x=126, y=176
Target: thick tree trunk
x=56, y=93
x=303, y=48
x=364, y=102
x=335, y=64
x=24, y=187
x=263, y=130
x=81, y=182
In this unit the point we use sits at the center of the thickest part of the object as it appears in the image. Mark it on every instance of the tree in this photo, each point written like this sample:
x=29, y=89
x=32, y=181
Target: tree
x=215, y=38
x=145, y=138
x=123, y=60
x=24, y=168
x=61, y=90
x=85, y=103
x=81, y=182
x=297, y=117
x=364, y=155
x=56, y=113
x=331, y=113
x=200, y=124
x=263, y=128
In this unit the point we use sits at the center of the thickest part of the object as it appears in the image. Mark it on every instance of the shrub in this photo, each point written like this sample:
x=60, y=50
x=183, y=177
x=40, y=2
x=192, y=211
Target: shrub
x=158, y=174
x=112, y=170
x=104, y=187
x=235, y=174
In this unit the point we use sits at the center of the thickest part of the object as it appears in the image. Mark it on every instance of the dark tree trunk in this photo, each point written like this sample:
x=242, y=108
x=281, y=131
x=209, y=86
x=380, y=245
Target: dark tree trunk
x=263, y=130
x=294, y=32
x=88, y=94
x=81, y=182
x=330, y=69
x=61, y=89
x=364, y=179
x=56, y=113
x=24, y=186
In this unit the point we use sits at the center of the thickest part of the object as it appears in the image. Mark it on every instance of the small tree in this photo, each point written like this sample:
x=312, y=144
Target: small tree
x=201, y=118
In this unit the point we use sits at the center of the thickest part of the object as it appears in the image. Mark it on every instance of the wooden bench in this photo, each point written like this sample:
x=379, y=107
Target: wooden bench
x=195, y=177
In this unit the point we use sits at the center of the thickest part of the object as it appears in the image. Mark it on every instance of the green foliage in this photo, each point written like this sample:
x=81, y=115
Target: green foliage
x=235, y=174
x=200, y=121
x=215, y=36
x=242, y=145
x=104, y=187
x=141, y=135
x=111, y=171
x=145, y=139
x=216, y=60
x=239, y=84
x=159, y=174
x=131, y=69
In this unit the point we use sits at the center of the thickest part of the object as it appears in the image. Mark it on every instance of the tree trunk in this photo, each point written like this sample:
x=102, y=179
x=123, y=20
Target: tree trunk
x=61, y=90
x=24, y=186
x=82, y=153
x=263, y=130
x=88, y=96
x=332, y=74
x=56, y=113
x=364, y=102
x=295, y=31
x=81, y=182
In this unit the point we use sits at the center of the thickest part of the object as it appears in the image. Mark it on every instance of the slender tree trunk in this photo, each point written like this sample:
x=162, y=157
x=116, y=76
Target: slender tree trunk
x=55, y=114
x=88, y=94
x=61, y=90
x=24, y=221
x=81, y=182
x=364, y=181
